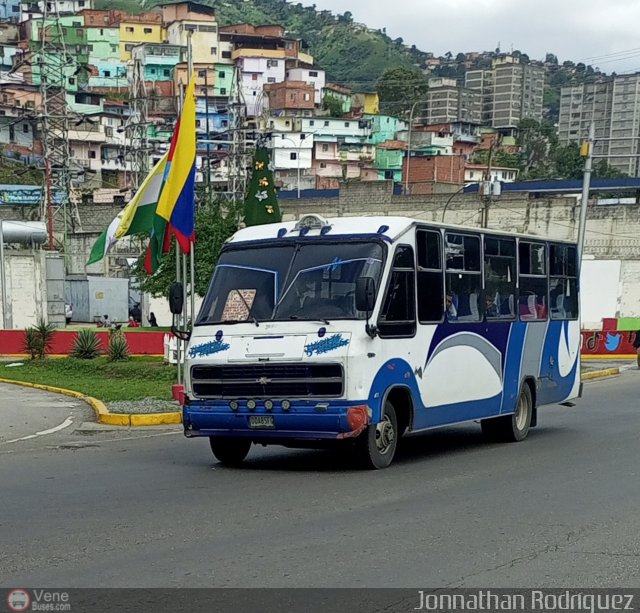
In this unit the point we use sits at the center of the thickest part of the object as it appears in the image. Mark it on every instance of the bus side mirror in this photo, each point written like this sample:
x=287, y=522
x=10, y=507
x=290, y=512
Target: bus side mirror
x=176, y=298
x=365, y=294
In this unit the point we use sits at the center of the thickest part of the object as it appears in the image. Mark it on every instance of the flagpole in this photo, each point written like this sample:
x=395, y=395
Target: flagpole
x=193, y=243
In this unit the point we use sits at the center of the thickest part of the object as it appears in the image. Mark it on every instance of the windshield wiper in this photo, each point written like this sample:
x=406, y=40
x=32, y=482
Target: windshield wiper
x=326, y=322
x=255, y=321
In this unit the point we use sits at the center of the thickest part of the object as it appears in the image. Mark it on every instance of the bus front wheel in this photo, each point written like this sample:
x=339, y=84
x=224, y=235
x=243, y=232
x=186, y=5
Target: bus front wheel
x=377, y=445
x=229, y=451
x=512, y=428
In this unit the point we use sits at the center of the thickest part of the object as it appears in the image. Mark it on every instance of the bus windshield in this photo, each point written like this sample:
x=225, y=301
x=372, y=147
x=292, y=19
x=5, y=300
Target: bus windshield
x=296, y=281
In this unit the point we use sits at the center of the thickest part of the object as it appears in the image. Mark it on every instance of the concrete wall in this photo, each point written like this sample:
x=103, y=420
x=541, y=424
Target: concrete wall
x=31, y=294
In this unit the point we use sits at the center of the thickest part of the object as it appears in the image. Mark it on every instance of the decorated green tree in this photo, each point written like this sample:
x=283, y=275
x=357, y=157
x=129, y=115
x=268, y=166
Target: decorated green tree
x=261, y=203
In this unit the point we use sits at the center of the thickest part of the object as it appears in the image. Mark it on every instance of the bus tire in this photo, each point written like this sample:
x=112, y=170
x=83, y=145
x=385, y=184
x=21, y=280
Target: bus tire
x=230, y=451
x=512, y=428
x=377, y=445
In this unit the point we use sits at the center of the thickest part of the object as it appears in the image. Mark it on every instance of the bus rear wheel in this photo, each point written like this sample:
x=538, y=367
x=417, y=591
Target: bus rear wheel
x=377, y=445
x=512, y=428
x=229, y=451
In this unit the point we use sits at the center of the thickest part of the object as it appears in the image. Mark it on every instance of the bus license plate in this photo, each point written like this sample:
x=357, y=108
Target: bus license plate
x=261, y=422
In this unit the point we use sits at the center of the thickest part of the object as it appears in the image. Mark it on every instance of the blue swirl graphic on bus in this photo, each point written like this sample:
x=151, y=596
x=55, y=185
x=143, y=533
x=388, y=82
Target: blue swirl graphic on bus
x=331, y=343
x=205, y=349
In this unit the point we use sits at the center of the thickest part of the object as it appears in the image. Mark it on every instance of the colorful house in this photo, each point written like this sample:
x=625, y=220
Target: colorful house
x=139, y=29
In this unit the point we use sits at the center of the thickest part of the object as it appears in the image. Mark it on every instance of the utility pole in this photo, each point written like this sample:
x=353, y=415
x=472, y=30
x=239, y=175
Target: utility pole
x=587, y=152
x=237, y=180
x=207, y=179
x=136, y=127
x=54, y=66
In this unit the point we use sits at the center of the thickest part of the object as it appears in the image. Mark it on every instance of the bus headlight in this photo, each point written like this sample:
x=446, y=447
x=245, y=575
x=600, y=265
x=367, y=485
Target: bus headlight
x=268, y=404
x=286, y=405
x=251, y=405
x=233, y=405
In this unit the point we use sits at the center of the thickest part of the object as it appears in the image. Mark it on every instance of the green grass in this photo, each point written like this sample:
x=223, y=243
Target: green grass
x=108, y=381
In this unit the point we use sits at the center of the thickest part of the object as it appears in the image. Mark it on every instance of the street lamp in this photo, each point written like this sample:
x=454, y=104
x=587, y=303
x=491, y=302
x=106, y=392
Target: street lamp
x=413, y=110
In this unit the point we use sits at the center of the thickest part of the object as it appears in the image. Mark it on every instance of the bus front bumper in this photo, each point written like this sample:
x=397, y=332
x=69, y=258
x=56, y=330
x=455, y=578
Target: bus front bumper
x=302, y=420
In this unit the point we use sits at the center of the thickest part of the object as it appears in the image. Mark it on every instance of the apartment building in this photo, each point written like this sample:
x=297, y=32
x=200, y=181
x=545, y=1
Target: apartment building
x=447, y=102
x=511, y=91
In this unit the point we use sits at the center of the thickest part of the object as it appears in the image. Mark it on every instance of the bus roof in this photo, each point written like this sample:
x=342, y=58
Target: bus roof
x=389, y=227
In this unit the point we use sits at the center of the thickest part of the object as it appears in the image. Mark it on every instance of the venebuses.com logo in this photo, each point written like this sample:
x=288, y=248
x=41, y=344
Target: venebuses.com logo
x=38, y=600
x=18, y=600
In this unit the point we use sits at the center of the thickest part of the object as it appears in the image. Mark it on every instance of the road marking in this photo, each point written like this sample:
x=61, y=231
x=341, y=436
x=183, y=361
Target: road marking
x=65, y=424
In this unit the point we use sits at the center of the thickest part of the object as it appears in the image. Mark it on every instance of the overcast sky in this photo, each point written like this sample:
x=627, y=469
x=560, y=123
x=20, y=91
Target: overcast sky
x=578, y=30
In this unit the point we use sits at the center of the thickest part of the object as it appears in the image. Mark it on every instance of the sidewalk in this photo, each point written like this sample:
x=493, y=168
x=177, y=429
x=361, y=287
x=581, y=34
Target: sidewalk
x=593, y=365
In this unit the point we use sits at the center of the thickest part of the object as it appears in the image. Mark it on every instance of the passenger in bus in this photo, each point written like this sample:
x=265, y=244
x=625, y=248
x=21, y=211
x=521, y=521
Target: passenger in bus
x=491, y=309
x=452, y=308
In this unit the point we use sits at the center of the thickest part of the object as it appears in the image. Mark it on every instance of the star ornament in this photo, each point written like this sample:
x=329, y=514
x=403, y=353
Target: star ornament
x=264, y=182
x=260, y=196
x=269, y=209
x=259, y=165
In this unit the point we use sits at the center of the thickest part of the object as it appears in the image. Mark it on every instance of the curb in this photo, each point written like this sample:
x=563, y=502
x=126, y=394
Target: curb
x=102, y=413
x=599, y=374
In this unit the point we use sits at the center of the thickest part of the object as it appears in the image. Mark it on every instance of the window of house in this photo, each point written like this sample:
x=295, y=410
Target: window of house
x=464, y=278
x=532, y=281
x=166, y=72
x=226, y=55
x=203, y=91
x=430, y=279
x=313, y=73
x=128, y=46
x=147, y=30
x=563, y=281
x=108, y=131
x=325, y=148
x=223, y=91
x=312, y=123
x=152, y=70
x=271, y=80
x=202, y=74
x=272, y=63
x=254, y=77
x=499, y=277
x=198, y=123
x=224, y=123
x=326, y=124
x=107, y=73
x=293, y=156
x=214, y=50
x=347, y=124
x=128, y=29
x=398, y=315
x=25, y=128
x=323, y=165
x=92, y=155
x=64, y=31
x=221, y=74
x=307, y=97
x=12, y=134
x=72, y=81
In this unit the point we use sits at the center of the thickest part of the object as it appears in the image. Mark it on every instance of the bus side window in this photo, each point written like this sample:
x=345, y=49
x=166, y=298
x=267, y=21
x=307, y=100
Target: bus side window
x=533, y=282
x=563, y=281
x=499, y=277
x=398, y=315
x=464, y=278
x=430, y=280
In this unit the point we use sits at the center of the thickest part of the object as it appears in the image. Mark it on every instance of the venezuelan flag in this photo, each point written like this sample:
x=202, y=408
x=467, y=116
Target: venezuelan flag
x=175, y=213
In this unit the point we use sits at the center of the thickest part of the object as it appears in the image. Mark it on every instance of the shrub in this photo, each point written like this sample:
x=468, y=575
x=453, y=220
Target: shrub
x=31, y=343
x=87, y=345
x=118, y=347
x=38, y=339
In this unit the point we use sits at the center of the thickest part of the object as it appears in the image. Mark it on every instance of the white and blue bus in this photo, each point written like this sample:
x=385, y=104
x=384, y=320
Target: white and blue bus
x=359, y=330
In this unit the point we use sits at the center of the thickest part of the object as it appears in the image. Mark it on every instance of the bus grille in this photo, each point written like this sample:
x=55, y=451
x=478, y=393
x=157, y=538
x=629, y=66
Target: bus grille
x=267, y=381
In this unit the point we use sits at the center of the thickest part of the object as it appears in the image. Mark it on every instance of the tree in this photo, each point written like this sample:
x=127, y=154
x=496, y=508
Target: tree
x=537, y=142
x=333, y=105
x=399, y=88
x=214, y=225
x=261, y=203
x=569, y=163
x=602, y=170
x=550, y=58
x=460, y=58
x=498, y=158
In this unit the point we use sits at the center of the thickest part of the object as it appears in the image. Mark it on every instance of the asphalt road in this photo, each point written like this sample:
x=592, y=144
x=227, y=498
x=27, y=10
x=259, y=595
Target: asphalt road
x=152, y=509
